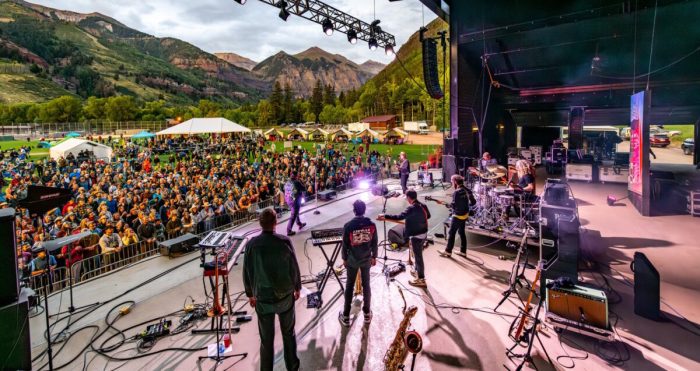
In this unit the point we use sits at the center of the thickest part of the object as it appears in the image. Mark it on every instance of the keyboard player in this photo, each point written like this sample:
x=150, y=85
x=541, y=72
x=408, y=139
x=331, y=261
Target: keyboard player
x=359, y=252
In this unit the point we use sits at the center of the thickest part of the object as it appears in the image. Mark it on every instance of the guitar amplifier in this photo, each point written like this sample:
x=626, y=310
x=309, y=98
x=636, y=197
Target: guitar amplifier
x=578, y=304
x=178, y=245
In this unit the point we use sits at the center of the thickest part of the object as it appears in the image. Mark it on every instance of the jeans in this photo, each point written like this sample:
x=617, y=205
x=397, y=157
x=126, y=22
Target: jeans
x=294, y=218
x=417, y=247
x=457, y=225
x=350, y=288
x=266, y=327
x=404, y=182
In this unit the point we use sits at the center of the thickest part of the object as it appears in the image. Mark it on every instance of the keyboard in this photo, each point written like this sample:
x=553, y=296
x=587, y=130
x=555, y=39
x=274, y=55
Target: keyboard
x=320, y=237
x=225, y=249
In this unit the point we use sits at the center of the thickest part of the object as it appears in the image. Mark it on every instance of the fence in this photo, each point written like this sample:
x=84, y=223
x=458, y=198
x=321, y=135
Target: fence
x=101, y=262
x=59, y=129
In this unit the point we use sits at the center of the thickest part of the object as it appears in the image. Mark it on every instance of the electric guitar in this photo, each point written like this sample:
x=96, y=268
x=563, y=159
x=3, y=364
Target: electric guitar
x=524, y=316
x=439, y=202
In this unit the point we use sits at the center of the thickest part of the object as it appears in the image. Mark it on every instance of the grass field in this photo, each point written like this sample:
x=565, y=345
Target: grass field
x=414, y=152
x=686, y=132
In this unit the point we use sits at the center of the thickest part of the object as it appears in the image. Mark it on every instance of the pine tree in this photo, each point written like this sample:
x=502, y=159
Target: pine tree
x=288, y=104
x=317, y=99
x=276, y=102
x=329, y=95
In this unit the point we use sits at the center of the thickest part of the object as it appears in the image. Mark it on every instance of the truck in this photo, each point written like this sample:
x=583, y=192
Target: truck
x=420, y=127
x=356, y=127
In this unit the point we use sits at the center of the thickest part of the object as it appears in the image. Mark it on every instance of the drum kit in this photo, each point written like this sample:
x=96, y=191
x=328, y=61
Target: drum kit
x=494, y=199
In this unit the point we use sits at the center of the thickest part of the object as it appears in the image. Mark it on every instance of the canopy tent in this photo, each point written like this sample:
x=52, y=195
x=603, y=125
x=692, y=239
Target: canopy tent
x=75, y=146
x=395, y=136
x=342, y=135
x=72, y=134
x=318, y=134
x=368, y=132
x=143, y=135
x=204, y=126
x=258, y=133
x=298, y=134
x=273, y=134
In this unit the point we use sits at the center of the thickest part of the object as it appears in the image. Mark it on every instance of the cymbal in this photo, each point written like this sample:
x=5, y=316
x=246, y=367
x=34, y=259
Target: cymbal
x=488, y=176
x=497, y=169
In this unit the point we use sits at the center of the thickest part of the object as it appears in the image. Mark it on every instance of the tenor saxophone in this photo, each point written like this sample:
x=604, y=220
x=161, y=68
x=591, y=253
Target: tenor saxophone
x=395, y=355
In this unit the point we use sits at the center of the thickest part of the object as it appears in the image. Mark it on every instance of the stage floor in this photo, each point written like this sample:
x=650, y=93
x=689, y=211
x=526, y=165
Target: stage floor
x=470, y=337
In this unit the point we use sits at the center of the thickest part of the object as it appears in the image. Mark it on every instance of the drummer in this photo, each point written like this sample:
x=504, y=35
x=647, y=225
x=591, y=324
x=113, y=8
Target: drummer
x=486, y=161
x=526, y=179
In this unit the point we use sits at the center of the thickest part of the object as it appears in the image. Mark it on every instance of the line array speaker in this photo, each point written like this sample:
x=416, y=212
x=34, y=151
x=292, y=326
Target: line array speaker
x=9, y=285
x=430, y=69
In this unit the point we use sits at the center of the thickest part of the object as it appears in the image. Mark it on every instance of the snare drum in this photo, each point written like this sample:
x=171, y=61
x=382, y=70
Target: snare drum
x=498, y=191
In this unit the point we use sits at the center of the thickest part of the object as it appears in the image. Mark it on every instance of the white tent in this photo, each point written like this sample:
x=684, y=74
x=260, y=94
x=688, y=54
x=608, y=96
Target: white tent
x=298, y=133
x=343, y=133
x=318, y=134
x=75, y=146
x=367, y=132
x=204, y=126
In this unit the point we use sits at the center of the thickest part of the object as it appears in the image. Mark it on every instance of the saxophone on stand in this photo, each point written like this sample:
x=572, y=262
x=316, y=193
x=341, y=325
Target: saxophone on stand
x=399, y=348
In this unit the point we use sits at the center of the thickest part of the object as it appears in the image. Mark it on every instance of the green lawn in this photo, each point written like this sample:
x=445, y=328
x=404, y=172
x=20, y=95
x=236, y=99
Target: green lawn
x=687, y=131
x=36, y=153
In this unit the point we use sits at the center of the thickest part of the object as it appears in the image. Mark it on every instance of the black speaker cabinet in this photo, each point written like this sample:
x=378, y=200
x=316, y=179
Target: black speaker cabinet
x=9, y=286
x=430, y=69
x=647, y=288
x=449, y=166
x=559, y=242
x=178, y=245
x=15, y=345
x=449, y=146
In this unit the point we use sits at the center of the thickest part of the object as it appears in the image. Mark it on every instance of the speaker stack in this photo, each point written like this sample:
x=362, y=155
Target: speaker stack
x=15, y=351
x=430, y=69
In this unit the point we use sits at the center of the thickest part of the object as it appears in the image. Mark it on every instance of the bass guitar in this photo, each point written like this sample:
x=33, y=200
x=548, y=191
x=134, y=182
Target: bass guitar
x=517, y=328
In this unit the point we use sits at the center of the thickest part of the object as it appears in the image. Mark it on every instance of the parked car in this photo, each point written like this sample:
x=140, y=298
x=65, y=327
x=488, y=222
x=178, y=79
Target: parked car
x=659, y=140
x=688, y=146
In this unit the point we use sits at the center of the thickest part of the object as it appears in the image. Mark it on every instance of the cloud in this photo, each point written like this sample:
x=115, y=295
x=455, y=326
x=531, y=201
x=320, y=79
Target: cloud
x=253, y=30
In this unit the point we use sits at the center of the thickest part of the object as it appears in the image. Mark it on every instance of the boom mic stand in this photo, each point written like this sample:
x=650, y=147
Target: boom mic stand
x=385, y=242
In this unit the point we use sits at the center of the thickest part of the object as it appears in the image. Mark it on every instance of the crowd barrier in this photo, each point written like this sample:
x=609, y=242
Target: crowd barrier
x=96, y=262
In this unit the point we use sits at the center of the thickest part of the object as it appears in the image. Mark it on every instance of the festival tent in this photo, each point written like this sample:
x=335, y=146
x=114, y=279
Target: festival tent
x=318, y=134
x=368, y=132
x=298, y=134
x=204, y=126
x=273, y=134
x=72, y=134
x=143, y=135
x=75, y=146
x=395, y=136
x=342, y=135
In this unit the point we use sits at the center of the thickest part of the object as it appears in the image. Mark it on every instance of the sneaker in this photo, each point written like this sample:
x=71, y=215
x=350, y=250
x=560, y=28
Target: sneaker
x=414, y=273
x=368, y=317
x=291, y=233
x=302, y=226
x=462, y=254
x=344, y=320
x=444, y=254
x=418, y=282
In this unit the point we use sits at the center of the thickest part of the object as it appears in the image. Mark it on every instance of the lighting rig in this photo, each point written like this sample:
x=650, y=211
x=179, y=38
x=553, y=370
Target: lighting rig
x=332, y=19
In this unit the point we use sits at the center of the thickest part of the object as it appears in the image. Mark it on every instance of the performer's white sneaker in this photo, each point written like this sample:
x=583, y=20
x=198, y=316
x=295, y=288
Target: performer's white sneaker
x=462, y=254
x=444, y=254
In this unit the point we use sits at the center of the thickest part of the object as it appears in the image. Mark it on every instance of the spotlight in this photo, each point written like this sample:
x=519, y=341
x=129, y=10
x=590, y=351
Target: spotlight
x=352, y=36
x=389, y=49
x=327, y=27
x=364, y=184
x=284, y=14
x=242, y=2
x=373, y=43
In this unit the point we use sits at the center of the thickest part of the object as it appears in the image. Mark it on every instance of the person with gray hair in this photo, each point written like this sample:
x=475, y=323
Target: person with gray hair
x=272, y=284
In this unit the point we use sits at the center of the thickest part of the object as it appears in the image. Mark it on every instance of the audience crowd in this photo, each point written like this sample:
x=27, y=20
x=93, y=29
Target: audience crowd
x=163, y=188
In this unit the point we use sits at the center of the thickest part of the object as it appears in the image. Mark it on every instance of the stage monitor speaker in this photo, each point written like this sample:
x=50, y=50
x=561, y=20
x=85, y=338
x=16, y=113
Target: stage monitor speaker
x=15, y=345
x=178, y=245
x=559, y=243
x=647, y=288
x=579, y=304
x=9, y=285
x=430, y=69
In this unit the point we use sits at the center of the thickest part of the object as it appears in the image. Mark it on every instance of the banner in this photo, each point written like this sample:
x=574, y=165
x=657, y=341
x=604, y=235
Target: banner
x=636, y=176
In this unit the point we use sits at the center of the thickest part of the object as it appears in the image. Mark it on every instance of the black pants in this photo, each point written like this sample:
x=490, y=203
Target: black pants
x=350, y=288
x=404, y=182
x=294, y=218
x=266, y=327
x=417, y=247
x=457, y=225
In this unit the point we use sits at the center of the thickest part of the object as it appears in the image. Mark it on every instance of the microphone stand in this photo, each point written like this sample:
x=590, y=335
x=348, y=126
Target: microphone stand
x=385, y=242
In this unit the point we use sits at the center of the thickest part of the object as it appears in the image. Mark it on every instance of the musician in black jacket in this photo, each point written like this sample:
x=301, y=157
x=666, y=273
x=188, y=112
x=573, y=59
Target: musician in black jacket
x=272, y=283
x=460, y=213
x=404, y=171
x=359, y=252
x=416, y=231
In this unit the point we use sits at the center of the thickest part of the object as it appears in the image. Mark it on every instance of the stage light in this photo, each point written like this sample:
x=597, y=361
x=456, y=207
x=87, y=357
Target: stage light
x=352, y=36
x=364, y=185
x=373, y=43
x=327, y=27
x=389, y=49
x=242, y=2
x=284, y=14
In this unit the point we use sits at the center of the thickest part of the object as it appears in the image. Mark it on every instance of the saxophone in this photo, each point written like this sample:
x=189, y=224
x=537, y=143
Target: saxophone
x=395, y=355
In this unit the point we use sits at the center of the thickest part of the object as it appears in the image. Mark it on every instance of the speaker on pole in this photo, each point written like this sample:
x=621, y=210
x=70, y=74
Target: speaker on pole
x=430, y=69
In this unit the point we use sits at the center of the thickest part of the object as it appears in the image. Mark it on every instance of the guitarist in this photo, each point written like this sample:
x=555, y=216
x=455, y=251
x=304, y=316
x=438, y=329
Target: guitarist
x=460, y=213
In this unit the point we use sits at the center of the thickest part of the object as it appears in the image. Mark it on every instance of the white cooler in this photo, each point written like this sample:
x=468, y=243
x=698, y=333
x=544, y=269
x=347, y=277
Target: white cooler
x=579, y=172
x=613, y=174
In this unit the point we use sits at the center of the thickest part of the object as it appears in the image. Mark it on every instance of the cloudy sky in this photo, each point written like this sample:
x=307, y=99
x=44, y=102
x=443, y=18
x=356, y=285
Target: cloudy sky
x=253, y=30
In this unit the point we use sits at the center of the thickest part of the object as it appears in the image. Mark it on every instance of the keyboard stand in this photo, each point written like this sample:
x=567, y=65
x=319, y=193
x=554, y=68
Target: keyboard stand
x=315, y=300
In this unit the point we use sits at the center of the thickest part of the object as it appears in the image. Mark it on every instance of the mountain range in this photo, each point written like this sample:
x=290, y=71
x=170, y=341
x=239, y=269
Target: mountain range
x=45, y=53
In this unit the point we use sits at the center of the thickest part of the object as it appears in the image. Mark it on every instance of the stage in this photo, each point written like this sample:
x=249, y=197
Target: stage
x=455, y=313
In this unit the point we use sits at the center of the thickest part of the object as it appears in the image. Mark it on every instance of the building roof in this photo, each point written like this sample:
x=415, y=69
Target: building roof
x=381, y=118
x=205, y=126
